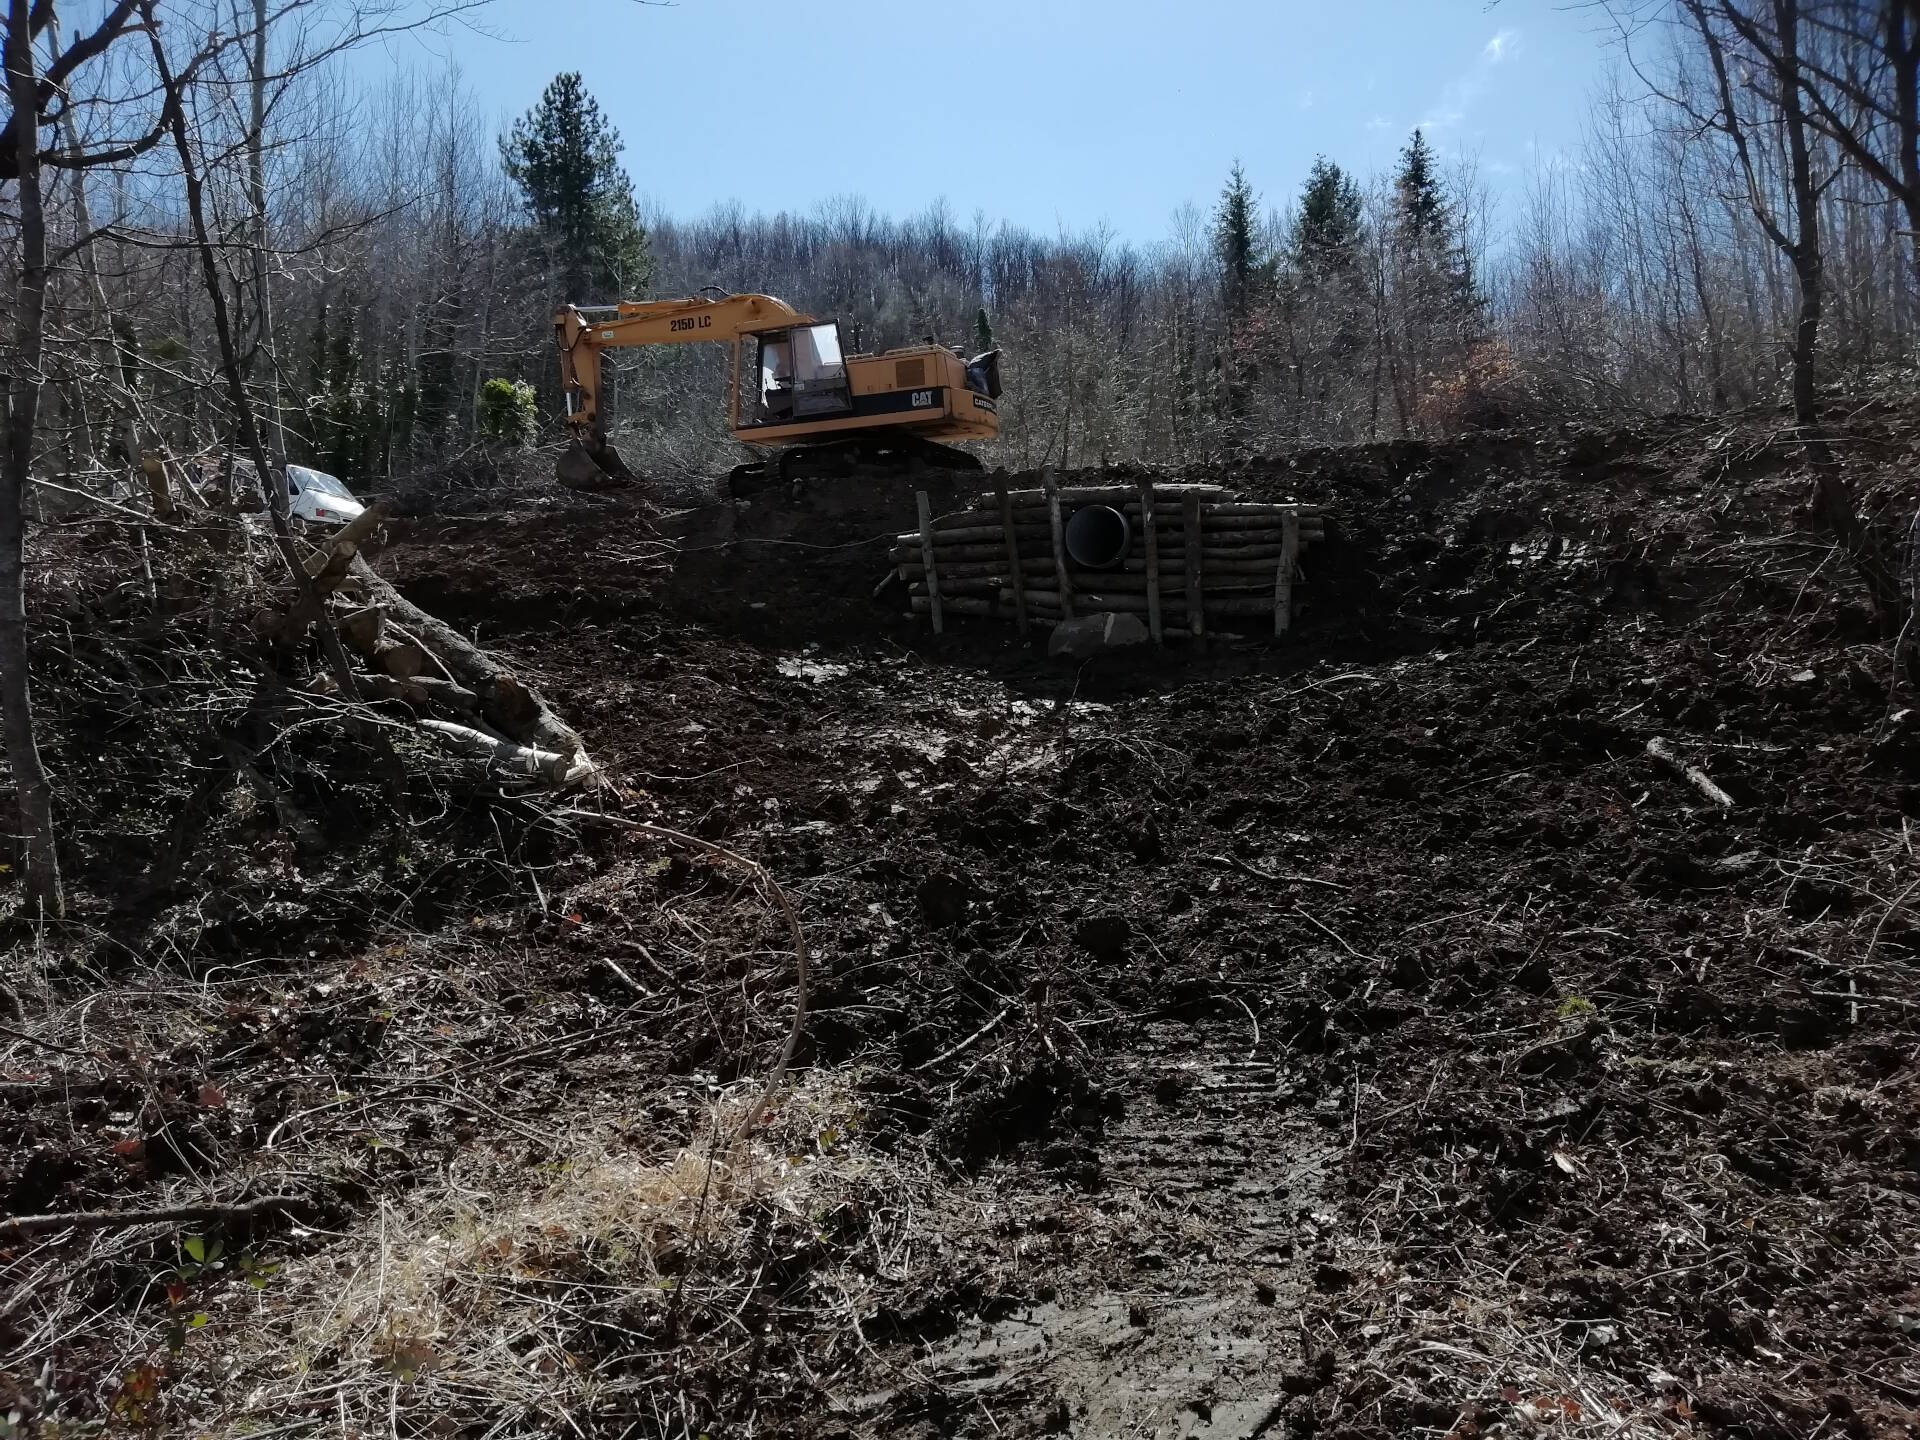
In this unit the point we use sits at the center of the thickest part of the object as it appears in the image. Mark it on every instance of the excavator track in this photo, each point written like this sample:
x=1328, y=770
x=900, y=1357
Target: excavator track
x=862, y=455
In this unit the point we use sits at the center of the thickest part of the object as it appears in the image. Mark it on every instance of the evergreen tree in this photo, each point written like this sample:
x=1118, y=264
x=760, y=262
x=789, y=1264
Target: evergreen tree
x=982, y=332
x=1234, y=246
x=1326, y=232
x=565, y=157
x=1431, y=227
x=1423, y=208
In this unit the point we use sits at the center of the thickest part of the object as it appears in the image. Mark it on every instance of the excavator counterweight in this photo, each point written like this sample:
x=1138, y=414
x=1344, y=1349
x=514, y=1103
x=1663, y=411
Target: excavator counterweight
x=792, y=389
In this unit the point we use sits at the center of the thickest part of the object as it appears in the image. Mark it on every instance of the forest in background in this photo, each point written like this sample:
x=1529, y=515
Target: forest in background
x=414, y=255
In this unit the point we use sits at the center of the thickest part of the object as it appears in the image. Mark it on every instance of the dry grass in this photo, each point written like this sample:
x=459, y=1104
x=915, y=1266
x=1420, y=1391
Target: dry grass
x=529, y=1310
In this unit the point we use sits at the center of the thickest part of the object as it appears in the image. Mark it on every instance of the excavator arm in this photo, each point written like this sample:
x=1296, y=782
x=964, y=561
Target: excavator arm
x=583, y=332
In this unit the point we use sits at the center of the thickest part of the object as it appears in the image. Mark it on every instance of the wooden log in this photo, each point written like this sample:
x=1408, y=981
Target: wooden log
x=1061, y=578
x=422, y=690
x=1232, y=531
x=926, y=557
x=504, y=757
x=1229, y=573
x=333, y=565
x=329, y=566
x=508, y=705
x=1100, y=494
x=1014, y=565
x=1171, y=501
x=1283, y=577
x=1083, y=584
x=1194, y=537
x=1093, y=596
x=1214, y=547
x=1033, y=522
x=1257, y=605
x=158, y=484
x=1151, y=542
x=1171, y=521
x=1027, y=533
x=364, y=628
x=402, y=659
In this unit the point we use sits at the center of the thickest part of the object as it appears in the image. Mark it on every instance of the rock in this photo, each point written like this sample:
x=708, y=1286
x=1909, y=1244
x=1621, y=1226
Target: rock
x=1088, y=635
x=1104, y=936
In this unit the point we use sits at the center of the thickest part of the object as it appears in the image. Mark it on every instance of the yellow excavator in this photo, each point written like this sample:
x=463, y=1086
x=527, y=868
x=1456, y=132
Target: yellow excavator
x=792, y=388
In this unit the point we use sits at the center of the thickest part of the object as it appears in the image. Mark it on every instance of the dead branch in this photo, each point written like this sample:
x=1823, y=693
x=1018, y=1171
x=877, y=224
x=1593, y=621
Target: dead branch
x=1692, y=774
x=23, y=1225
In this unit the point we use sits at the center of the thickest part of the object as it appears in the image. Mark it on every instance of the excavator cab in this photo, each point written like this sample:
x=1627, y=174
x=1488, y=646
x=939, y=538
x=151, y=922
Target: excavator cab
x=802, y=376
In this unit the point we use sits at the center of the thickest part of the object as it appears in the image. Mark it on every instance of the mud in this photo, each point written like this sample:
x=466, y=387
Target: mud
x=1358, y=1036
x=1451, y=1052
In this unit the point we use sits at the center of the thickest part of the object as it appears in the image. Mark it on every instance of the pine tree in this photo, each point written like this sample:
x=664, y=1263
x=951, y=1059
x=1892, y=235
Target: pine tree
x=1423, y=208
x=982, y=332
x=1326, y=232
x=1234, y=246
x=1431, y=227
x=565, y=157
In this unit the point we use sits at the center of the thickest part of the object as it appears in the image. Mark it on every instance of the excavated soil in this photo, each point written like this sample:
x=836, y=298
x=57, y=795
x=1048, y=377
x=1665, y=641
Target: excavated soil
x=1361, y=1035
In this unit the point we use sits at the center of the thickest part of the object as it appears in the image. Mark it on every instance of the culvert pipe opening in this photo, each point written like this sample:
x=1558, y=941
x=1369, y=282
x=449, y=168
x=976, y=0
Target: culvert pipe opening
x=1098, y=537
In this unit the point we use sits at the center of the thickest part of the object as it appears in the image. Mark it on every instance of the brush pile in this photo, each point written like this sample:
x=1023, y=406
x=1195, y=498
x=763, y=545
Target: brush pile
x=1176, y=554
x=212, y=694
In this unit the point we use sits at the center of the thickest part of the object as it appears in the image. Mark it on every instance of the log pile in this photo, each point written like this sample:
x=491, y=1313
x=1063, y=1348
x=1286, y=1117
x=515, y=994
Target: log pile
x=1195, y=554
x=467, y=701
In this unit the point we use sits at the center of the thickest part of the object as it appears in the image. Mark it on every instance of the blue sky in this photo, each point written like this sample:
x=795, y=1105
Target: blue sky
x=1048, y=113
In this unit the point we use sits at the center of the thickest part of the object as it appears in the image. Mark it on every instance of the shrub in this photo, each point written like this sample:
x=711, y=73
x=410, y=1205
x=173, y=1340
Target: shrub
x=1488, y=391
x=507, y=412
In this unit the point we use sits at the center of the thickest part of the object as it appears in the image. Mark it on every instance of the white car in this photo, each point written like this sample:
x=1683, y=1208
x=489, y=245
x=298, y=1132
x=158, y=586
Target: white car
x=317, y=498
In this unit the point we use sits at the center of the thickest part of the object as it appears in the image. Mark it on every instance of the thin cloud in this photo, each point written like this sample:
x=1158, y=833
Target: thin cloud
x=1458, y=96
x=1305, y=102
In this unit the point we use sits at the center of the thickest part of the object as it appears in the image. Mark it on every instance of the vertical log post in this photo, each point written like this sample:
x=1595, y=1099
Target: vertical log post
x=1196, y=609
x=1283, y=575
x=1152, y=542
x=926, y=558
x=1061, y=578
x=1014, y=571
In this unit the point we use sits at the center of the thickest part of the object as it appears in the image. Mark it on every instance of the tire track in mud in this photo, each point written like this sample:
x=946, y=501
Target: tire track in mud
x=1164, y=1296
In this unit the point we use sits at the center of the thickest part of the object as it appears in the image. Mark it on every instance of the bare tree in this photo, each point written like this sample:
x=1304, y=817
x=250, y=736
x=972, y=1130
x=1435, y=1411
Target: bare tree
x=1860, y=73
x=35, y=801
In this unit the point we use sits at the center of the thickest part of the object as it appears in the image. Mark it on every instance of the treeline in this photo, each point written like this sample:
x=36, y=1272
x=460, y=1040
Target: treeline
x=413, y=256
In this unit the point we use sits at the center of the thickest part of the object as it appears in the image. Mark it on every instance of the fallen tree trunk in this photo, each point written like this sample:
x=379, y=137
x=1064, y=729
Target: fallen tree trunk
x=510, y=706
x=422, y=690
x=331, y=560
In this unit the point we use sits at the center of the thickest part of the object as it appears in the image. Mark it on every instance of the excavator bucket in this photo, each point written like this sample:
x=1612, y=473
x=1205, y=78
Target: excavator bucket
x=591, y=464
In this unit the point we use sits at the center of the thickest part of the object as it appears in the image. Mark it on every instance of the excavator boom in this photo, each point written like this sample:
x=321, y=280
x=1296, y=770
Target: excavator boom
x=584, y=331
